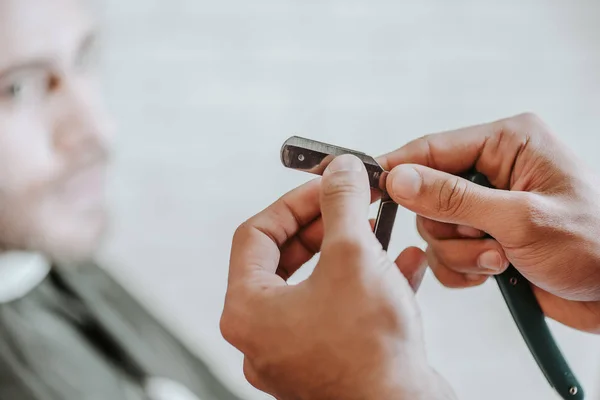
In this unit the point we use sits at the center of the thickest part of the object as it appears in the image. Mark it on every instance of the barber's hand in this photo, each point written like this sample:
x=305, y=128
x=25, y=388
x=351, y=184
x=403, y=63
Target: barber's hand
x=352, y=330
x=545, y=220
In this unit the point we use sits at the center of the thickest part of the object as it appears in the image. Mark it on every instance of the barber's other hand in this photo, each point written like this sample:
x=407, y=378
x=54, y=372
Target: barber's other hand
x=352, y=329
x=545, y=220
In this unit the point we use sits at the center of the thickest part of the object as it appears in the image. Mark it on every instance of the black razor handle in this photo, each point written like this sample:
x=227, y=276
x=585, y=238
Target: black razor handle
x=530, y=320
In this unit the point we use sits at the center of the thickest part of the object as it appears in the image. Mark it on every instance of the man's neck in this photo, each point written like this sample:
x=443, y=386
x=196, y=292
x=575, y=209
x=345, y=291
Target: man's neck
x=20, y=273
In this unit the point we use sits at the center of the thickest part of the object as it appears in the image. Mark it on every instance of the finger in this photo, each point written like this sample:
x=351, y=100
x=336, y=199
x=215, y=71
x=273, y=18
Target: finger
x=256, y=243
x=412, y=262
x=431, y=230
x=447, y=198
x=490, y=148
x=434, y=230
x=471, y=256
x=450, y=278
x=452, y=151
x=468, y=231
x=302, y=248
x=345, y=198
x=580, y=315
x=252, y=376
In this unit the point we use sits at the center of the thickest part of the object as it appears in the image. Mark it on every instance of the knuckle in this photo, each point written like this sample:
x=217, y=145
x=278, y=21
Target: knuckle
x=534, y=216
x=262, y=370
x=513, y=134
x=424, y=145
x=227, y=327
x=530, y=126
x=347, y=248
x=423, y=141
x=241, y=232
x=529, y=119
x=452, y=195
x=251, y=375
x=344, y=184
x=233, y=323
x=344, y=255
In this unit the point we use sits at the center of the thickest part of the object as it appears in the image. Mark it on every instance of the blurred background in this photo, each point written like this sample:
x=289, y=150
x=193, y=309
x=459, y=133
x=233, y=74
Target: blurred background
x=205, y=93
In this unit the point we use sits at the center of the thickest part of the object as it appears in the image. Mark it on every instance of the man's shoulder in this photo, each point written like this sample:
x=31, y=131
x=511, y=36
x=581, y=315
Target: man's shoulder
x=141, y=332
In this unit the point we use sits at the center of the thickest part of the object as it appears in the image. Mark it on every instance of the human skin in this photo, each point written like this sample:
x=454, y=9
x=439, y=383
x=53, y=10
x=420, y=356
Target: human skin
x=351, y=330
x=54, y=130
x=544, y=216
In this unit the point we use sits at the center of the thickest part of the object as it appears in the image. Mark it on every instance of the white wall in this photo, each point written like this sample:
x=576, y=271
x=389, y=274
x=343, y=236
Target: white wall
x=205, y=92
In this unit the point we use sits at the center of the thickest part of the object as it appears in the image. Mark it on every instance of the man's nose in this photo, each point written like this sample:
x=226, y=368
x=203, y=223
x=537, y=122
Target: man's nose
x=82, y=127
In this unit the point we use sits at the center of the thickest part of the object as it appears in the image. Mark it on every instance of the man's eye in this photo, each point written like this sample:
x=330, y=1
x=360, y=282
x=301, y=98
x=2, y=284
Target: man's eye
x=14, y=90
x=29, y=87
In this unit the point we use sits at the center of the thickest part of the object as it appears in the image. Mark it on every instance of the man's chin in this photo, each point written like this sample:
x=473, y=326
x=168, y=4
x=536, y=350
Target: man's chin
x=74, y=242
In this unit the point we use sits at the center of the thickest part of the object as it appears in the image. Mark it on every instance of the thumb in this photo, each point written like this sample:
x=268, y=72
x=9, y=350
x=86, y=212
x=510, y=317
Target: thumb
x=448, y=198
x=345, y=198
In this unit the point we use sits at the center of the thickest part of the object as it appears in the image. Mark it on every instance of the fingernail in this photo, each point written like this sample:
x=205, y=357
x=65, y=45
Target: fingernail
x=491, y=260
x=345, y=162
x=406, y=182
x=467, y=231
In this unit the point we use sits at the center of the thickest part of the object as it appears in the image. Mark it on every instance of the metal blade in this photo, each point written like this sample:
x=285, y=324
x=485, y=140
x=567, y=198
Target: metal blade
x=314, y=157
x=384, y=225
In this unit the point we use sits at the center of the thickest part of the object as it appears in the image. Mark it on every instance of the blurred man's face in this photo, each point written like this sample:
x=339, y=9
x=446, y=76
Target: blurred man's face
x=52, y=130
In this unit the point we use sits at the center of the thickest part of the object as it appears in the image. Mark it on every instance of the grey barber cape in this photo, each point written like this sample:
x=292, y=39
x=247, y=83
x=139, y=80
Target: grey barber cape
x=76, y=334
